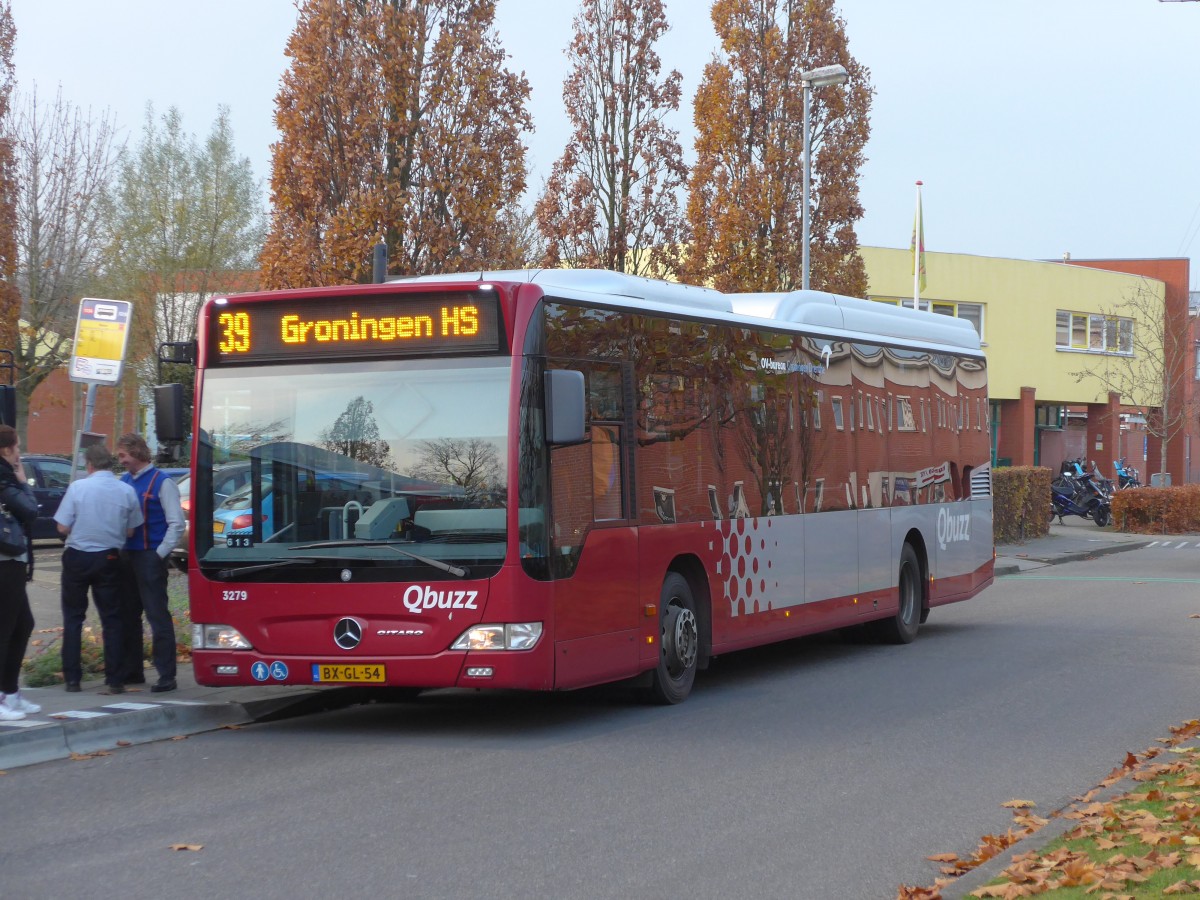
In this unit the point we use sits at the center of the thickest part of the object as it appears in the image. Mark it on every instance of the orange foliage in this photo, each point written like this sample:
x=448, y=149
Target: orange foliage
x=746, y=197
x=396, y=118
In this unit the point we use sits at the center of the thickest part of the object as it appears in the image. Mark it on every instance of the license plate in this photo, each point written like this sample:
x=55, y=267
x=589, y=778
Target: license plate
x=218, y=526
x=348, y=674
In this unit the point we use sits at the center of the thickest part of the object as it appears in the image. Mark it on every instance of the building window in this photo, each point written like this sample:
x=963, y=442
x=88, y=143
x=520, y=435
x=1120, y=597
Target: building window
x=838, y=422
x=1091, y=333
x=972, y=312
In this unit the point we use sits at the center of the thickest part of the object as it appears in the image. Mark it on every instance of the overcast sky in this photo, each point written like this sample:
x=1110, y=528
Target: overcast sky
x=1038, y=127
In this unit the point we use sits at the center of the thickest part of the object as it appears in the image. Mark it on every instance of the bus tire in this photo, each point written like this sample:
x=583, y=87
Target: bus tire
x=679, y=642
x=902, y=627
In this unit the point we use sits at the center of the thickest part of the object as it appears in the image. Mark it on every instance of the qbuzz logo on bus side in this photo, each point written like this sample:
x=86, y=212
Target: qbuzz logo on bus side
x=951, y=528
x=420, y=597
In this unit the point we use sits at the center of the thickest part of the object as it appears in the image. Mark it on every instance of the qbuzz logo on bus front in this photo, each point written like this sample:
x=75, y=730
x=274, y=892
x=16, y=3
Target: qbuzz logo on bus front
x=420, y=597
x=952, y=529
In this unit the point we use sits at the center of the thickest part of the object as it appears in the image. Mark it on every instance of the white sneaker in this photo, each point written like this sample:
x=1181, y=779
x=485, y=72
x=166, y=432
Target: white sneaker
x=8, y=714
x=20, y=704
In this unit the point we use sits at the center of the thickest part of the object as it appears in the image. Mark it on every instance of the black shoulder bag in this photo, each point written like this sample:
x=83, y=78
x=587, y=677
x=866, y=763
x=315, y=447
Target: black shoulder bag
x=12, y=535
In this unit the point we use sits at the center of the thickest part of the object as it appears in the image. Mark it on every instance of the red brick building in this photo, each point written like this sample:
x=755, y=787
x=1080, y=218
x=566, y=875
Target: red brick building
x=1183, y=449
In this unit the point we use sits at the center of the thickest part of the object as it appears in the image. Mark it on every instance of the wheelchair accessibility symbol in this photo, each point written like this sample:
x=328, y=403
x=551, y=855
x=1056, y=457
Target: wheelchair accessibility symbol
x=279, y=671
x=259, y=671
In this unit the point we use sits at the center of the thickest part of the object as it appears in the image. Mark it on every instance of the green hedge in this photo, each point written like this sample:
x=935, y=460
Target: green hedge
x=1021, y=503
x=1154, y=510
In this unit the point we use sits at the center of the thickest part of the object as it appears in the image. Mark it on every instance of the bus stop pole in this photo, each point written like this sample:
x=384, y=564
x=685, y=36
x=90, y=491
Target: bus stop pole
x=89, y=407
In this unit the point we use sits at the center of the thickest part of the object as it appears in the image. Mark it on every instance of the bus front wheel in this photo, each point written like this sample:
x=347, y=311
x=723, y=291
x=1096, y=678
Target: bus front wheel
x=902, y=627
x=679, y=642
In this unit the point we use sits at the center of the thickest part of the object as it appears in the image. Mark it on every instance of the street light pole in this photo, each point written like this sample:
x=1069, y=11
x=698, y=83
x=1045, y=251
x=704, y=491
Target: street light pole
x=835, y=74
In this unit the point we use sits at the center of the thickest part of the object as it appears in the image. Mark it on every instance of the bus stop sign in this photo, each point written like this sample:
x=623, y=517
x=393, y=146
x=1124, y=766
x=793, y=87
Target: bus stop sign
x=101, y=336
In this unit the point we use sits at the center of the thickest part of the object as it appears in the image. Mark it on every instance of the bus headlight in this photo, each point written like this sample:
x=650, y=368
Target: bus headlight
x=218, y=637
x=514, y=636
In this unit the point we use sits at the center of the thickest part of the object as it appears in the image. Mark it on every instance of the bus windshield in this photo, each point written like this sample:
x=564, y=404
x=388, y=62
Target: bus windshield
x=374, y=468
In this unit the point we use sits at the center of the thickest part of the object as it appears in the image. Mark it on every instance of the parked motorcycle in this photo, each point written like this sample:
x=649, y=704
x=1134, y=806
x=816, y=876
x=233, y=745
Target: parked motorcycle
x=1076, y=493
x=1127, y=475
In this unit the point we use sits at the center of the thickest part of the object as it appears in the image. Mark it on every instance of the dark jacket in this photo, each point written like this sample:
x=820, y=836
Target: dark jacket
x=19, y=500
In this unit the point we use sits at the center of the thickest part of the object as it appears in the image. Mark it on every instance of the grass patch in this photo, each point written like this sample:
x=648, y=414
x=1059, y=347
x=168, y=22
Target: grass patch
x=1144, y=844
x=43, y=666
x=1138, y=845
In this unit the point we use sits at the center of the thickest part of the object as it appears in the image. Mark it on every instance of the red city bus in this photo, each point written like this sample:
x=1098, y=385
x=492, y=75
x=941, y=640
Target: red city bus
x=553, y=479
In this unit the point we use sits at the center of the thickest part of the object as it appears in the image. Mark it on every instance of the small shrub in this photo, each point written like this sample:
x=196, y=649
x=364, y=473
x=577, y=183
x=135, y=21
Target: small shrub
x=1021, y=503
x=1158, y=510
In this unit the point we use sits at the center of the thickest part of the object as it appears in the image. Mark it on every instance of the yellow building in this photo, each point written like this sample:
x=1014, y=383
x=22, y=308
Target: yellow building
x=1044, y=325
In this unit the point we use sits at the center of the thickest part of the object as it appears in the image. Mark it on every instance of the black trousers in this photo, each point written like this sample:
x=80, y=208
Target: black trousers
x=16, y=624
x=101, y=572
x=144, y=575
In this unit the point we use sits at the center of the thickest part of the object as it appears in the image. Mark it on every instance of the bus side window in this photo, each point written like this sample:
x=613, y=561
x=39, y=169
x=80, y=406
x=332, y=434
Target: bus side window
x=608, y=487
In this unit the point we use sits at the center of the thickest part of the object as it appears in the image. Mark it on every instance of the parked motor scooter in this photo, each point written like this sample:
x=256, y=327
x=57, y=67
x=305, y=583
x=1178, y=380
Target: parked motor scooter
x=1073, y=493
x=1101, y=484
x=1127, y=475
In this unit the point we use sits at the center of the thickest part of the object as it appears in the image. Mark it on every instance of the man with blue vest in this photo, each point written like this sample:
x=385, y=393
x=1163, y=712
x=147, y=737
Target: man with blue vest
x=145, y=564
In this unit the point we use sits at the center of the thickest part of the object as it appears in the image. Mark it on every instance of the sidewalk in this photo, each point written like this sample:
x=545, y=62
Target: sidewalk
x=89, y=721
x=1076, y=539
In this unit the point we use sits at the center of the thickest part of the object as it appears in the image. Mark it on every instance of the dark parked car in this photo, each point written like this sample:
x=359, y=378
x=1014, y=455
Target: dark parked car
x=226, y=480
x=49, y=477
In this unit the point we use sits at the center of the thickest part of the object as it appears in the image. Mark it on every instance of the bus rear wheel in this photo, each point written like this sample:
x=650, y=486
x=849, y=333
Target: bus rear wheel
x=679, y=643
x=902, y=627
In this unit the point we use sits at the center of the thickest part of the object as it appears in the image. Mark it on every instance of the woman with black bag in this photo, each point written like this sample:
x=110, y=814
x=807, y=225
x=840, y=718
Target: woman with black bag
x=16, y=568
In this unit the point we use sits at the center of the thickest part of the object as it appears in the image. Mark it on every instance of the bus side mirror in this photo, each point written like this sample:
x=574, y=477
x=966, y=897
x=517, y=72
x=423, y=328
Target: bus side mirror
x=8, y=405
x=168, y=413
x=564, y=407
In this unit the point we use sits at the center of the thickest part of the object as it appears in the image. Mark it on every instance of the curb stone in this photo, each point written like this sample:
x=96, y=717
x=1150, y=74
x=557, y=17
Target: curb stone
x=53, y=736
x=1058, y=825
x=1073, y=556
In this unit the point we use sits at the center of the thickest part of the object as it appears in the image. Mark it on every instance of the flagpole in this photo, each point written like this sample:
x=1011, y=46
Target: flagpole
x=918, y=251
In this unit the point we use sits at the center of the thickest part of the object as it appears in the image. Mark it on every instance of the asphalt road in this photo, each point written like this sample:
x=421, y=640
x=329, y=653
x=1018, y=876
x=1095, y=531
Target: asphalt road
x=814, y=769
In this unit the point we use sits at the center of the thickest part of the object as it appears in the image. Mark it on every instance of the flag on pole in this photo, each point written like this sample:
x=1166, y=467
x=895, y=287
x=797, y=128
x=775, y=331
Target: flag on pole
x=918, y=250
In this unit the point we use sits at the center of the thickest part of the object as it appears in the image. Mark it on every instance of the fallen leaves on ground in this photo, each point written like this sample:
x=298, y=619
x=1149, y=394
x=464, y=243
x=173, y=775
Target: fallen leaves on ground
x=186, y=847
x=92, y=755
x=1141, y=844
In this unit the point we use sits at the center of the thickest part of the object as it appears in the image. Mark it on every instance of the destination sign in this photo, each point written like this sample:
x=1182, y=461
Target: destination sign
x=339, y=327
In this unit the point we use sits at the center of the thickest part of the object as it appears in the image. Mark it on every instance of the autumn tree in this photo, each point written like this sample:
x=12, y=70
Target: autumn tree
x=473, y=464
x=64, y=161
x=10, y=297
x=397, y=117
x=184, y=220
x=1150, y=367
x=356, y=434
x=746, y=197
x=612, y=199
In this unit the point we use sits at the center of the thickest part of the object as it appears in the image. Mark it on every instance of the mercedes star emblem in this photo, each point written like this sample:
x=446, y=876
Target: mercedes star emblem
x=347, y=633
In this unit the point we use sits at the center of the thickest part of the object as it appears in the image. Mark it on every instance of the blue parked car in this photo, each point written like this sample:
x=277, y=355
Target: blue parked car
x=234, y=517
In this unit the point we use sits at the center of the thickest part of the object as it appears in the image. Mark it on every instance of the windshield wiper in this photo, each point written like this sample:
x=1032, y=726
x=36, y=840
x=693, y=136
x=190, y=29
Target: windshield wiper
x=223, y=574
x=456, y=571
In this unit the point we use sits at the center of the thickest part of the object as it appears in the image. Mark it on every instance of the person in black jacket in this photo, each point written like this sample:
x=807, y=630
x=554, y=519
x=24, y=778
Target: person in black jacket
x=16, y=618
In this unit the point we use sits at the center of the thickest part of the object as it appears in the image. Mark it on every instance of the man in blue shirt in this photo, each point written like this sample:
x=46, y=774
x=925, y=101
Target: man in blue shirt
x=144, y=564
x=97, y=515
